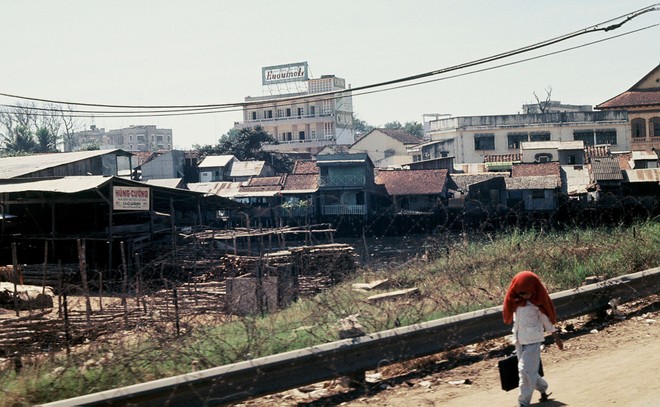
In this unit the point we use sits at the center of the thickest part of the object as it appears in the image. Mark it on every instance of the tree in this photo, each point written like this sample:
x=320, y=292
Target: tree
x=543, y=104
x=245, y=144
x=21, y=123
x=395, y=125
x=46, y=141
x=360, y=127
x=414, y=128
x=19, y=141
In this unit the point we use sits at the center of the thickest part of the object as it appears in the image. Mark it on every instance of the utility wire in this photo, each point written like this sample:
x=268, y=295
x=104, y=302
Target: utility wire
x=190, y=112
x=179, y=110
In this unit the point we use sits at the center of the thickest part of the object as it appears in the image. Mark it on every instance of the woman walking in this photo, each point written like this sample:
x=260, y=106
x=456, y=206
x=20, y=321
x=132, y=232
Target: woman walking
x=528, y=306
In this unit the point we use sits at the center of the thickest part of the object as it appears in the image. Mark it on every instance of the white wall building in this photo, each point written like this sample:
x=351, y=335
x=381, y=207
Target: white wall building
x=317, y=113
x=132, y=138
x=469, y=139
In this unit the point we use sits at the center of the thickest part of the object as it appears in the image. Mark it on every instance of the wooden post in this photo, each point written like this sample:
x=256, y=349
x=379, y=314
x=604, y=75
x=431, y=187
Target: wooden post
x=82, y=262
x=176, y=310
x=100, y=291
x=124, y=285
x=43, y=280
x=16, y=276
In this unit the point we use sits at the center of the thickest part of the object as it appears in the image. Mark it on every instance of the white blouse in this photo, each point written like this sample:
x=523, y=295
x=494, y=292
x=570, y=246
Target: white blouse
x=530, y=324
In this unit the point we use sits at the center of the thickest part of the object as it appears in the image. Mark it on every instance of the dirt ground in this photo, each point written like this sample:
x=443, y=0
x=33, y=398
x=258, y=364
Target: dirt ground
x=613, y=361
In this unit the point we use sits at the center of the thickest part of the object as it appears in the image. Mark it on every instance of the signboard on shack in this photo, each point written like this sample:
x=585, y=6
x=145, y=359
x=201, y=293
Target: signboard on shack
x=130, y=198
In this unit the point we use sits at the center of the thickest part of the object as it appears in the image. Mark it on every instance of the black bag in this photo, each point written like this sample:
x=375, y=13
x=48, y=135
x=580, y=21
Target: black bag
x=508, y=368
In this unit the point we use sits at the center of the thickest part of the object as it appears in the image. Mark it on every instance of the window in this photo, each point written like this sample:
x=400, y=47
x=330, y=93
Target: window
x=638, y=128
x=539, y=136
x=654, y=126
x=586, y=136
x=543, y=157
x=484, y=141
x=254, y=115
x=268, y=114
x=288, y=136
x=301, y=135
x=312, y=110
x=300, y=111
x=572, y=159
x=312, y=134
x=607, y=136
x=514, y=139
x=538, y=194
x=328, y=129
x=288, y=112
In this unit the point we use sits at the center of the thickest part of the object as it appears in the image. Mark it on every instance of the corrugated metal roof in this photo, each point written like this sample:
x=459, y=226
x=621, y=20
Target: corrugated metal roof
x=246, y=168
x=213, y=161
x=14, y=167
x=66, y=185
x=167, y=182
x=224, y=189
x=643, y=175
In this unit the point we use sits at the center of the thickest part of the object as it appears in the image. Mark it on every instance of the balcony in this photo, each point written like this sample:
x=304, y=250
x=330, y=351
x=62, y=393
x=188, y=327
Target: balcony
x=342, y=181
x=344, y=209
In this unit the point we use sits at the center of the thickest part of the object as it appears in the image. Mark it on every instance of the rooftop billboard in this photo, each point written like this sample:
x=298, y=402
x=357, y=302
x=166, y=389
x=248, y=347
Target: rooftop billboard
x=284, y=73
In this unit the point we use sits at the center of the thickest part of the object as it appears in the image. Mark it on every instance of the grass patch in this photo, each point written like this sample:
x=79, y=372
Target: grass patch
x=465, y=277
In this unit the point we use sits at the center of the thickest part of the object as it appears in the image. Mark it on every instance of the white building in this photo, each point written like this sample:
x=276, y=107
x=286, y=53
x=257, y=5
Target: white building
x=469, y=139
x=314, y=114
x=133, y=138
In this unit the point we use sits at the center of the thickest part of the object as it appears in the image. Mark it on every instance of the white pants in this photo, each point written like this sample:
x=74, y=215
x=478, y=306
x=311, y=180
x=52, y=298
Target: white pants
x=529, y=359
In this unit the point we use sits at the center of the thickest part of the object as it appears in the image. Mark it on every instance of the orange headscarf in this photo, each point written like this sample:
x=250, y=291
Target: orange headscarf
x=526, y=281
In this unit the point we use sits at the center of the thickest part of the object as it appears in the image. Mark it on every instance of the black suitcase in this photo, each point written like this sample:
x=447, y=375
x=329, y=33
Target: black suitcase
x=508, y=368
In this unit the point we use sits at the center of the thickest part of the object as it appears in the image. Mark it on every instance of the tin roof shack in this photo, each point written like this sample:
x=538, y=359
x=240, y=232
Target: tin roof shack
x=100, y=162
x=102, y=211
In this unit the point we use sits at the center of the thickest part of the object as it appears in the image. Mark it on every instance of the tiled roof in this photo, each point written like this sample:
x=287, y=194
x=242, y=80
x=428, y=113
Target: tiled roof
x=606, y=169
x=646, y=92
x=632, y=99
x=305, y=167
x=401, y=135
x=301, y=183
x=533, y=182
x=264, y=182
x=463, y=181
x=412, y=182
x=536, y=169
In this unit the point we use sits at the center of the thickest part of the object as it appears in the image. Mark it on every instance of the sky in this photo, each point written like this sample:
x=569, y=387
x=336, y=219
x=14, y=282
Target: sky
x=167, y=52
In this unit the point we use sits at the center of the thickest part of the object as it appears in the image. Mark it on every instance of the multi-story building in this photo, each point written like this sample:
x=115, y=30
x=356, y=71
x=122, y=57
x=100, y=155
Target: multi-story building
x=642, y=102
x=317, y=113
x=472, y=139
x=133, y=138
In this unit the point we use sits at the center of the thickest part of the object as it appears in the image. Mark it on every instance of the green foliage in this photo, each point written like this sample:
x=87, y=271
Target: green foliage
x=246, y=145
x=414, y=128
x=360, y=127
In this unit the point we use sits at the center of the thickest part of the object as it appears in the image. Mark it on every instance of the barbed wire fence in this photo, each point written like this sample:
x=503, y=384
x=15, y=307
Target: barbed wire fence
x=162, y=305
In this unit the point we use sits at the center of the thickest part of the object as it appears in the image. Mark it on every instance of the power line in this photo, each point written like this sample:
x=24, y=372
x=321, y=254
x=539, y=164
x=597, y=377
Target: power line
x=185, y=110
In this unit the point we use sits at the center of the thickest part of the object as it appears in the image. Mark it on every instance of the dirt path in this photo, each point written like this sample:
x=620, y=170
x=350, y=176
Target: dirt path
x=613, y=363
x=618, y=366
